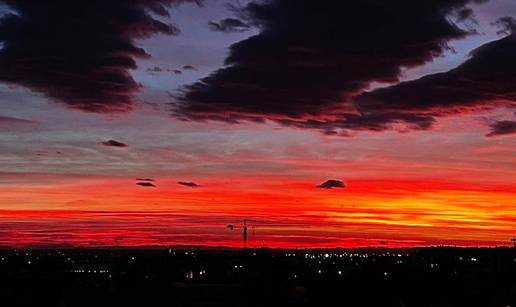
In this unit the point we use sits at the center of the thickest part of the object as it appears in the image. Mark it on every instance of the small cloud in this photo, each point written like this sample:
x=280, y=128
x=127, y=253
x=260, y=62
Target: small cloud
x=330, y=184
x=146, y=184
x=114, y=143
x=146, y=179
x=465, y=15
x=503, y=127
x=155, y=69
x=189, y=67
x=228, y=25
x=507, y=25
x=188, y=184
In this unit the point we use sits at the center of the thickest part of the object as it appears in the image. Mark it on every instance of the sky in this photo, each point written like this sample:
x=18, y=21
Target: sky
x=321, y=123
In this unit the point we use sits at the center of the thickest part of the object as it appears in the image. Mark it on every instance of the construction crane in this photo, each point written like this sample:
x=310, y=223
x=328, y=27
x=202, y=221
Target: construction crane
x=244, y=233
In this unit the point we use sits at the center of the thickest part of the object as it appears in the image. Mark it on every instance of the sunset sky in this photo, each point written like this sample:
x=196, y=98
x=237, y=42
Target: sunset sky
x=233, y=110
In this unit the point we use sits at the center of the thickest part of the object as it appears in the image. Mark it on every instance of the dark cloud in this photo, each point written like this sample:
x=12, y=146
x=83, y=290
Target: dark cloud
x=114, y=143
x=155, y=69
x=146, y=184
x=330, y=184
x=503, y=127
x=146, y=179
x=189, y=67
x=228, y=25
x=506, y=24
x=79, y=52
x=8, y=120
x=486, y=80
x=177, y=71
x=41, y=153
x=188, y=184
x=311, y=58
x=465, y=14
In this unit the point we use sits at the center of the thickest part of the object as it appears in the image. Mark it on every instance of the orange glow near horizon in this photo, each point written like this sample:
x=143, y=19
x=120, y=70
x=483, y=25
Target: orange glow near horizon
x=389, y=213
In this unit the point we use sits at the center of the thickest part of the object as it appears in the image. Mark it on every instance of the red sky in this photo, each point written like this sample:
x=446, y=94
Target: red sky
x=419, y=176
x=456, y=194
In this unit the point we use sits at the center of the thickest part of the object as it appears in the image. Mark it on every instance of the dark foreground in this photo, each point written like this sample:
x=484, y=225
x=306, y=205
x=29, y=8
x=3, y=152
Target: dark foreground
x=190, y=277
